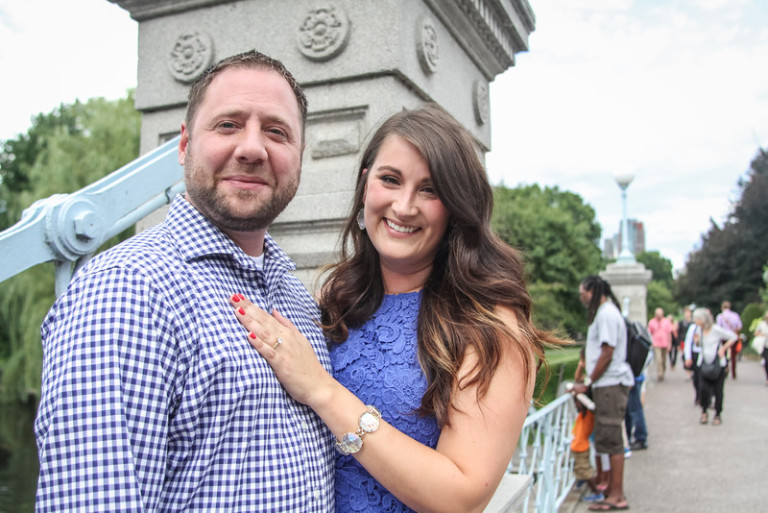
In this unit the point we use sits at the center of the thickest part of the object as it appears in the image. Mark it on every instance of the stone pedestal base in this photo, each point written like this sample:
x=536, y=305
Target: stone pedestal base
x=629, y=282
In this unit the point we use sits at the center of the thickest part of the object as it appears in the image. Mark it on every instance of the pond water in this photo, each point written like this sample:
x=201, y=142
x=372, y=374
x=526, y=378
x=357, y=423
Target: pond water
x=18, y=458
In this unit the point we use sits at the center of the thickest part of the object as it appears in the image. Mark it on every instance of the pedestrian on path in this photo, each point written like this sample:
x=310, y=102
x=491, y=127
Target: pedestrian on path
x=674, y=344
x=661, y=330
x=715, y=342
x=760, y=342
x=634, y=419
x=691, y=350
x=682, y=333
x=730, y=320
x=610, y=377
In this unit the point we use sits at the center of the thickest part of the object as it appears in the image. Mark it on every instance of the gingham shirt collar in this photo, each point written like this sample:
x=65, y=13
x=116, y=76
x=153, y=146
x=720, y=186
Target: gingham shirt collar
x=196, y=237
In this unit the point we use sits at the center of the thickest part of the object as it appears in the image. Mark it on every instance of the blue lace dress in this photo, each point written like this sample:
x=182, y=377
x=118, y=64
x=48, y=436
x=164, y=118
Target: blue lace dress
x=378, y=364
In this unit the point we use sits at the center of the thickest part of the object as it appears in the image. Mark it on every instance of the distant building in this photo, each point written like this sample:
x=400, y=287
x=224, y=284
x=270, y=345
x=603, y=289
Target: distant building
x=612, y=247
x=609, y=249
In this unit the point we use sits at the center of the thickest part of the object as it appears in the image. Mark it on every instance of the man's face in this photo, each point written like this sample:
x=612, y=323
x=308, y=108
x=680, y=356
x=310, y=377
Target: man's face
x=659, y=313
x=585, y=295
x=242, y=152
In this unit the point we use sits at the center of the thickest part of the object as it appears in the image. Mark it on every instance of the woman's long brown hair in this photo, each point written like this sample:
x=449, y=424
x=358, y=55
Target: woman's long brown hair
x=474, y=271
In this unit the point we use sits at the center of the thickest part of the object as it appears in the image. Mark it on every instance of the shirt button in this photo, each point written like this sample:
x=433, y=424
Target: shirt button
x=316, y=494
x=303, y=425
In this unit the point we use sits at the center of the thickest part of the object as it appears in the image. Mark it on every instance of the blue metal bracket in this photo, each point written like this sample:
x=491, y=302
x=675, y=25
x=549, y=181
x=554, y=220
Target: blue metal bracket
x=69, y=228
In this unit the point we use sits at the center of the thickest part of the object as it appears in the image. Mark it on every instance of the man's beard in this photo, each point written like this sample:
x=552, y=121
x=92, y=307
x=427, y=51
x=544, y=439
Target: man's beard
x=218, y=207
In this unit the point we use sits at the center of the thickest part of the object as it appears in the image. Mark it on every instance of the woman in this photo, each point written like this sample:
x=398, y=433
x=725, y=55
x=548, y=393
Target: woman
x=430, y=323
x=713, y=342
x=760, y=342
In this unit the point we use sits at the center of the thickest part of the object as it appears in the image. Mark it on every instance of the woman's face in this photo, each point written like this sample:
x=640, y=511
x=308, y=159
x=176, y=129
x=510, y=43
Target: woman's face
x=404, y=217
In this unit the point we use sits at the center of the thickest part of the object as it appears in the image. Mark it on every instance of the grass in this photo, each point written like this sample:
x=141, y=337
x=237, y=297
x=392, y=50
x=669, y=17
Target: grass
x=562, y=364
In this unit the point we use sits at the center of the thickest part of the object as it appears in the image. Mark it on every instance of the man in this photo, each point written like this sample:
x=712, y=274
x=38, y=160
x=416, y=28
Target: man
x=610, y=378
x=730, y=320
x=691, y=350
x=152, y=398
x=682, y=332
x=661, y=332
x=674, y=343
x=634, y=418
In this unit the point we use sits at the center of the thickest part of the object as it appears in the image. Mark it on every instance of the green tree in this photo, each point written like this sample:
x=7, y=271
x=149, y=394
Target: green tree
x=559, y=238
x=660, y=296
x=62, y=152
x=661, y=267
x=764, y=289
x=660, y=289
x=18, y=155
x=729, y=264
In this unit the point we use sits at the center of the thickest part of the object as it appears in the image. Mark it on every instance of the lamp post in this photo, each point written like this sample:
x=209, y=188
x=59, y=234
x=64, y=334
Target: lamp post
x=626, y=256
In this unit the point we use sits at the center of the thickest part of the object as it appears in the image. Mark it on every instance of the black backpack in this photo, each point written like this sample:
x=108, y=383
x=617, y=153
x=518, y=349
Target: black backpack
x=638, y=346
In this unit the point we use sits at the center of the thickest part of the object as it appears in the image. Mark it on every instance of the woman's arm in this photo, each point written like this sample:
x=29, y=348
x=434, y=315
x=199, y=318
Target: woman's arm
x=730, y=337
x=473, y=451
x=579, y=374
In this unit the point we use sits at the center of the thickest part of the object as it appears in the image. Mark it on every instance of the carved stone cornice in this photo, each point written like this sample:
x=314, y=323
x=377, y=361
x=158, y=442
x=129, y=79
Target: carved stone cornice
x=490, y=31
x=146, y=9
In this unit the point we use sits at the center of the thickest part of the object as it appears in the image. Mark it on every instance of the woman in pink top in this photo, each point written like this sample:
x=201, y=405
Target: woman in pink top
x=661, y=330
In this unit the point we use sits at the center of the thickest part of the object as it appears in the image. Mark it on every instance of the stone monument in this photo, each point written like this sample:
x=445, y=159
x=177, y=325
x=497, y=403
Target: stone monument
x=358, y=62
x=628, y=277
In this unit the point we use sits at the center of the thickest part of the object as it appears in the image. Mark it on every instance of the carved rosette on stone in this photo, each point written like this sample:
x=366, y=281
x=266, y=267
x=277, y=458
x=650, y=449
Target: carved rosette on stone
x=481, y=102
x=427, y=47
x=323, y=32
x=191, y=55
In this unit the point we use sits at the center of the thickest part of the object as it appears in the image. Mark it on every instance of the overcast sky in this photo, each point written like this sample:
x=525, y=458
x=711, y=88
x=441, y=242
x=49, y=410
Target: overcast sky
x=675, y=92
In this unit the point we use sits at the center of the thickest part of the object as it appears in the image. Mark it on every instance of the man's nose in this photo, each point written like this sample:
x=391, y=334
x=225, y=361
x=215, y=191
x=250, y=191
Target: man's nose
x=251, y=147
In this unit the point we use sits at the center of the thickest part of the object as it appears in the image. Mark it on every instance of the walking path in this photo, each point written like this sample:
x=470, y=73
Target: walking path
x=689, y=467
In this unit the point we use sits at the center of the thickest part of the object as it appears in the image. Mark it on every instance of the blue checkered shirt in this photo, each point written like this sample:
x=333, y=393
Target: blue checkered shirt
x=152, y=398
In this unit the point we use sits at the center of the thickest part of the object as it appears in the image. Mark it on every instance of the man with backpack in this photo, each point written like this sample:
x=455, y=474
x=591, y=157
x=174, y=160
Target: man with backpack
x=610, y=378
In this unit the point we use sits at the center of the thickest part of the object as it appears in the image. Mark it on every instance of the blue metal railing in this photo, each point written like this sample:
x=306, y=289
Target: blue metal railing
x=69, y=228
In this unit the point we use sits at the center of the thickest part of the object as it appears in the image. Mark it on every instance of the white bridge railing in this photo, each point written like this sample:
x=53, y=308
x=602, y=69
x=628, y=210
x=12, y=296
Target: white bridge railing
x=67, y=229
x=540, y=475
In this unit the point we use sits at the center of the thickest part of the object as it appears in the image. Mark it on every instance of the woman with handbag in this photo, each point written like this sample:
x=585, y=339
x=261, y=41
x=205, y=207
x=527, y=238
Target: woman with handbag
x=714, y=342
x=760, y=342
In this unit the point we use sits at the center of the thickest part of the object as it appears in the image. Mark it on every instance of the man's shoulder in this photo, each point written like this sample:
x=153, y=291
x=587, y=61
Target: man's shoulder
x=147, y=249
x=149, y=255
x=608, y=310
x=728, y=319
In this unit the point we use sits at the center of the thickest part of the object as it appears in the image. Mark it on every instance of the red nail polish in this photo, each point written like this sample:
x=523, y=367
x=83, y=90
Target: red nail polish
x=241, y=297
x=236, y=298
x=241, y=311
x=252, y=335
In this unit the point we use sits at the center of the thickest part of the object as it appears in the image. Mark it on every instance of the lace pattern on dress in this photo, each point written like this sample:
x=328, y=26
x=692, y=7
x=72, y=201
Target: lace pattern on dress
x=379, y=364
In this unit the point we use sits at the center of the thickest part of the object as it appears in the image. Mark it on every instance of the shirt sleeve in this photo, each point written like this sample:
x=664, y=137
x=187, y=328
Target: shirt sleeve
x=727, y=334
x=688, y=350
x=108, y=378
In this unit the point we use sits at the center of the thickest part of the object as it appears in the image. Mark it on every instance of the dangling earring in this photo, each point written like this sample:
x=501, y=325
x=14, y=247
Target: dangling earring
x=361, y=219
